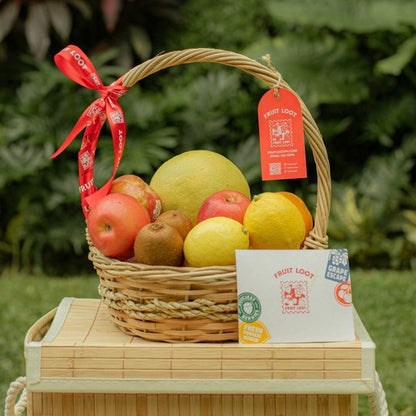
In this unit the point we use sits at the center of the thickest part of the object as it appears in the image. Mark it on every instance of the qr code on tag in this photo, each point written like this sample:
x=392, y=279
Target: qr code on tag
x=295, y=296
x=275, y=168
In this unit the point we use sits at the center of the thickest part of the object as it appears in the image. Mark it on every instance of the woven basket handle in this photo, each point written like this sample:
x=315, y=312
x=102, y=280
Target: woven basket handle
x=317, y=237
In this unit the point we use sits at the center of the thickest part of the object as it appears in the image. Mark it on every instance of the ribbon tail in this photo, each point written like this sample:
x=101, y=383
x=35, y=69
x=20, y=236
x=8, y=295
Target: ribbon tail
x=86, y=157
x=117, y=123
x=94, y=197
x=118, y=130
x=87, y=116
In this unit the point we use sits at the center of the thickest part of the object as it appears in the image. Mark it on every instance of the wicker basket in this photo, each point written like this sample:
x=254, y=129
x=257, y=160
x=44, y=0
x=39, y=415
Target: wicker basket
x=184, y=304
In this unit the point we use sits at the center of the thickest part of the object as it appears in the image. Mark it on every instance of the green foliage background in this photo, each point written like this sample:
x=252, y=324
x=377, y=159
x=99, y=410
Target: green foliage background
x=352, y=63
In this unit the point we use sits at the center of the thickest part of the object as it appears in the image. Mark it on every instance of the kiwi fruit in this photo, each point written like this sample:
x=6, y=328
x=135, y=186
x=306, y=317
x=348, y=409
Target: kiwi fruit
x=159, y=244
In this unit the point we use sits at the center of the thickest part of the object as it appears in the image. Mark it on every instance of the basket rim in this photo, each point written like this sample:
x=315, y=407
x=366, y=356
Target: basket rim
x=147, y=271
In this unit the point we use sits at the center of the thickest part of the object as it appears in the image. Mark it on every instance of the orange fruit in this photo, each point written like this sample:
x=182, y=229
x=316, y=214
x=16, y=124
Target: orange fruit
x=303, y=209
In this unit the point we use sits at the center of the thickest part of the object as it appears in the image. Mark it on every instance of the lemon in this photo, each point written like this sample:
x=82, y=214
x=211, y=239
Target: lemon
x=213, y=242
x=186, y=180
x=274, y=222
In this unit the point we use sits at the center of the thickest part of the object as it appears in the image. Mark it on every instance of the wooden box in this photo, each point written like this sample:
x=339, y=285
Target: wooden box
x=79, y=363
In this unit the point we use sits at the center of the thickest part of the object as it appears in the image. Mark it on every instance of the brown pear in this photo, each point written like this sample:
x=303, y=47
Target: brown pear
x=176, y=219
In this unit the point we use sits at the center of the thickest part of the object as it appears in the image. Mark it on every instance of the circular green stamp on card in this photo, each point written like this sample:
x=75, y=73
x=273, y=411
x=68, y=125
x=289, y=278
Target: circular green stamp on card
x=249, y=307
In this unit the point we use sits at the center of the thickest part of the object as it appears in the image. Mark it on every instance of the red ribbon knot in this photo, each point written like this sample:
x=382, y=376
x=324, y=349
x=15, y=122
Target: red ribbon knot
x=73, y=62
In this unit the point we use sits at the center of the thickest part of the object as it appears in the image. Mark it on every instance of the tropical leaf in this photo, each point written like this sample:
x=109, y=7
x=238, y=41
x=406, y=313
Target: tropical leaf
x=20, y=160
x=63, y=189
x=111, y=11
x=68, y=236
x=37, y=29
x=83, y=6
x=247, y=157
x=384, y=179
x=363, y=16
x=366, y=215
x=15, y=229
x=140, y=42
x=385, y=118
x=410, y=225
x=333, y=128
x=394, y=64
x=346, y=219
x=324, y=71
x=8, y=16
x=142, y=154
x=205, y=109
x=60, y=17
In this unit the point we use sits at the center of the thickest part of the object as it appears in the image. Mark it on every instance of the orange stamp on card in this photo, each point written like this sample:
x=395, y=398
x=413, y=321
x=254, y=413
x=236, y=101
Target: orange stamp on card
x=282, y=143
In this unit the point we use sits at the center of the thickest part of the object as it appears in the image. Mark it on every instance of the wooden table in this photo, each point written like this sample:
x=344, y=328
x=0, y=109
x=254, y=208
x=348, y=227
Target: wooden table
x=79, y=363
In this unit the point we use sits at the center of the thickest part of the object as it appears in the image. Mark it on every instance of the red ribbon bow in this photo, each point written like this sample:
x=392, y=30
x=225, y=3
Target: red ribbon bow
x=73, y=62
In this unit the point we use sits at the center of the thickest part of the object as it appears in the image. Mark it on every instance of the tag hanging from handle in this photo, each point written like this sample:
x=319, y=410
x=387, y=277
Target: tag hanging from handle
x=282, y=143
x=74, y=63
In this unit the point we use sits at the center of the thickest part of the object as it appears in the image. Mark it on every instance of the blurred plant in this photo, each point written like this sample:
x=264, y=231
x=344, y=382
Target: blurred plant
x=374, y=215
x=120, y=23
x=41, y=223
x=351, y=62
x=39, y=19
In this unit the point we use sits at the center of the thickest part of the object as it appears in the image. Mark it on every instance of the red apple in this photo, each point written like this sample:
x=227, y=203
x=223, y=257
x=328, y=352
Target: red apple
x=231, y=204
x=137, y=188
x=113, y=224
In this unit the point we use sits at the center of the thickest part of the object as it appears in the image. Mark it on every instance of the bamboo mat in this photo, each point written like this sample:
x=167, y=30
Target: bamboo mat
x=84, y=351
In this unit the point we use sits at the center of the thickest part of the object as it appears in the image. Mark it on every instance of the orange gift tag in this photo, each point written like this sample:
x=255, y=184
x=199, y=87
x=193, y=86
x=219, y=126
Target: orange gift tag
x=282, y=144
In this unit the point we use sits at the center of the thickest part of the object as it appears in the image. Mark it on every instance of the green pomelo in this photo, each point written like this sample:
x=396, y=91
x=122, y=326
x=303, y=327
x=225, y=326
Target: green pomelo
x=186, y=180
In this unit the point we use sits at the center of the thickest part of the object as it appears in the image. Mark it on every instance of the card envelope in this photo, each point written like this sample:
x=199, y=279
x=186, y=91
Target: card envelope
x=294, y=296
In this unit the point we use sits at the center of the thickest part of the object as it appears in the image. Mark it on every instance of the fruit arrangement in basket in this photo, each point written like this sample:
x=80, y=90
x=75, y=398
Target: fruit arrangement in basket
x=196, y=211
x=134, y=240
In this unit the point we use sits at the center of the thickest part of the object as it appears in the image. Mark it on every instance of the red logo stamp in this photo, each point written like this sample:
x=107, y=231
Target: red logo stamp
x=343, y=293
x=295, y=296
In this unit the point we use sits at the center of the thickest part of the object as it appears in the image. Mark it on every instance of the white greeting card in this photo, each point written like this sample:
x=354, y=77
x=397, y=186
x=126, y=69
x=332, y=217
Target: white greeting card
x=294, y=296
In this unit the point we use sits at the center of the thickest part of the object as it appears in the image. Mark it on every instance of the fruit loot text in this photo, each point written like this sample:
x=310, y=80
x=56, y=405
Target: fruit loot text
x=73, y=62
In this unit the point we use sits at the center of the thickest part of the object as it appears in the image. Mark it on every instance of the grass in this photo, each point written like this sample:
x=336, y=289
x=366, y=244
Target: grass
x=385, y=302
x=383, y=299
x=25, y=299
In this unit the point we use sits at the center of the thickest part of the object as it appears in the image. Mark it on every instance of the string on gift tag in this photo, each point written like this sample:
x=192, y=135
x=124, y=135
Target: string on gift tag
x=276, y=86
x=74, y=63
